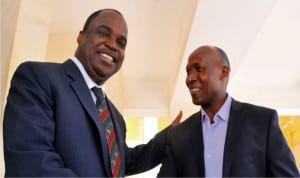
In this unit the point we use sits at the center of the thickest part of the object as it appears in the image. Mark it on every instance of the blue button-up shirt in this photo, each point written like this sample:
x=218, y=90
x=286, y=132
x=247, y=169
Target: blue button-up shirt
x=214, y=139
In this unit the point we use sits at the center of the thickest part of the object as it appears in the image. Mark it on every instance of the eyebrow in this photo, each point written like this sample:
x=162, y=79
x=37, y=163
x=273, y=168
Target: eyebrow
x=110, y=30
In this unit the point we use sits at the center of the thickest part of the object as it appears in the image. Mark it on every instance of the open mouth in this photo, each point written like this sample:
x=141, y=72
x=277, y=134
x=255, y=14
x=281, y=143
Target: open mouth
x=107, y=57
x=194, y=90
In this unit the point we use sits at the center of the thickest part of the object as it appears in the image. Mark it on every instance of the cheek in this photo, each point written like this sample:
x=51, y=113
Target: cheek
x=121, y=55
x=213, y=85
x=86, y=49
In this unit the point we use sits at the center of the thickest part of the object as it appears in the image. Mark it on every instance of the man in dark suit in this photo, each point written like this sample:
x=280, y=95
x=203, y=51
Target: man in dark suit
x=226, y=138
x=51, y=123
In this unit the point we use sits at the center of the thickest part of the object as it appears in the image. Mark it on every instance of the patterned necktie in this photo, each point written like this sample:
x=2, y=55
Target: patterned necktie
x=114, y=154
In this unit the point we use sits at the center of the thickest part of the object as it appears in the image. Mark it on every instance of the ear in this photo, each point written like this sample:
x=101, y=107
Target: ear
x=80, y=37
x=225, y=72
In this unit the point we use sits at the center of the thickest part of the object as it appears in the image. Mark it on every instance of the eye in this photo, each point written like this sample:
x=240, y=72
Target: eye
x=199, y=69
x=103, y=33
x=122, y=42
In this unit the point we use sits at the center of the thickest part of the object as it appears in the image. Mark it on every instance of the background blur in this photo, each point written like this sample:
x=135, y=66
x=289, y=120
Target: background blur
x=261, y=38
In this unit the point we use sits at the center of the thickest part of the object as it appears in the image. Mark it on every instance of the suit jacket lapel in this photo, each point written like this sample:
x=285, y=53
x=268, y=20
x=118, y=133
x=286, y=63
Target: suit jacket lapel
x=82, y=91
x=234, y=129
x=197, y=141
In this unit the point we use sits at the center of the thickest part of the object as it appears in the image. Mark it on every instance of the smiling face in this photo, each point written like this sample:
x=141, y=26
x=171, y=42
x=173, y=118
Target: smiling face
x=206, y=77
x=101, y=47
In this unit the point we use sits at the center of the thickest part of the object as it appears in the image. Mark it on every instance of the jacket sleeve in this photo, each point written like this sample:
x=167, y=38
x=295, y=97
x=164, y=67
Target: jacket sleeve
x=168, y=167
x=280, y=159
x=146, y=156
x=29, y=127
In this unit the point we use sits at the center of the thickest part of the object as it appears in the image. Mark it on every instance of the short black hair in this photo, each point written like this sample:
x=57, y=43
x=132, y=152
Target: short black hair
x=95, y=14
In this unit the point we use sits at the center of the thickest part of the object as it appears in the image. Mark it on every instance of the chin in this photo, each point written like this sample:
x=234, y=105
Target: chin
x=196, y=102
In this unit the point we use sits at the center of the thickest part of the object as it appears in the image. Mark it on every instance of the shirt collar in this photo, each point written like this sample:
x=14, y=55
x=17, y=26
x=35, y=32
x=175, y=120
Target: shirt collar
x=88, y=80
x=223, y=112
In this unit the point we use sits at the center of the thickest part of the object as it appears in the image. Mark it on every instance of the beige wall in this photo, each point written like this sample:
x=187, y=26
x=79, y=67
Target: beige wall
x=61, y=46
x=22, y=22
x=9, y=14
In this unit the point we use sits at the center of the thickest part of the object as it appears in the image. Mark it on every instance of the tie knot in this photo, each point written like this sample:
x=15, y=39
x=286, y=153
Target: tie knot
x=98, y=93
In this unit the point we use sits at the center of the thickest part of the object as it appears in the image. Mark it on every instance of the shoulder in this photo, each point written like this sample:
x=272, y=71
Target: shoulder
x=191, y=120
x=254, y=115
x=187, y=126
x=252, y=108
x=37, y=64
x=37, y=74
x=32, y=67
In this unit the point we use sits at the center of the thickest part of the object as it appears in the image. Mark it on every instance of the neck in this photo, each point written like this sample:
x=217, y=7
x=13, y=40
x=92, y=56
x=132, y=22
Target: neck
x=212, y=108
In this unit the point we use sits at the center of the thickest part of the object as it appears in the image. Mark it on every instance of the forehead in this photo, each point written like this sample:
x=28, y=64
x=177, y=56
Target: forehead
x=204, y=56
x=112, y=20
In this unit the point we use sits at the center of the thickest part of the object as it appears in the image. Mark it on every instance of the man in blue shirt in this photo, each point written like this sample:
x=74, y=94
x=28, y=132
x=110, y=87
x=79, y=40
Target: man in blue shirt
x=226, y=138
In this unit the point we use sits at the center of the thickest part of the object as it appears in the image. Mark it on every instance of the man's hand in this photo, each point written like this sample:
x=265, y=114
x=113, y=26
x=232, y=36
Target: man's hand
x=176, y=121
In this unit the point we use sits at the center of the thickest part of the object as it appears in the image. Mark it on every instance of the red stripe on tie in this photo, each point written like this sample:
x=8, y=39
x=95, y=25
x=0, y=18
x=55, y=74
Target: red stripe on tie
x=104, y=114
x=110, y=139
x=116, y=166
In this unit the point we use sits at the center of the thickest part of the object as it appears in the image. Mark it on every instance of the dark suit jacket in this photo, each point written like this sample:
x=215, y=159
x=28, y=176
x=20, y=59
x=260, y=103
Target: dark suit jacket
x=51, y=127
x=254, y=146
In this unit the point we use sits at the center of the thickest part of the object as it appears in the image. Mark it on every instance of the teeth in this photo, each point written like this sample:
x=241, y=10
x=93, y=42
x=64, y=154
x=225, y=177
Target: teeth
x=107, y=56
x=195, y=89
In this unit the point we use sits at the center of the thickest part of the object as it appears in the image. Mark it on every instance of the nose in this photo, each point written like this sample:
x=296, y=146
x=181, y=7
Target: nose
x=111, y=44
x=191, y=77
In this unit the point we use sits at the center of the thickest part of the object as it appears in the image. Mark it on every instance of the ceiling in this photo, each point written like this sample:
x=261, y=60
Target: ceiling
x=261, y=38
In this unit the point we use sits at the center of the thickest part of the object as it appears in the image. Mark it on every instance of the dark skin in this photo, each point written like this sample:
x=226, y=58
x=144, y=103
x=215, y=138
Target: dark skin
x=101, y=48
x=207, y=78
